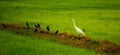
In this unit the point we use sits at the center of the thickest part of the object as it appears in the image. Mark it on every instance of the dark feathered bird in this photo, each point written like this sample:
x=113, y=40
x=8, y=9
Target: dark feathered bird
x=48, y=29
x=56, y=31
x=27, y=24
x=35, y=30
x=4, y=26
x=38, y=25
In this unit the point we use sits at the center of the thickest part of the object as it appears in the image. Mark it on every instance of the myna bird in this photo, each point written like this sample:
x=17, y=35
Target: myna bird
x=56, y=31
x=48, y=29
x=38, y=25
x=27, y=24
x=35, y=30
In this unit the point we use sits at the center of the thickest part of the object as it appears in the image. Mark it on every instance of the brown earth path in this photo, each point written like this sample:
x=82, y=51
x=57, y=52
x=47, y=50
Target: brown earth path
x=104, y=46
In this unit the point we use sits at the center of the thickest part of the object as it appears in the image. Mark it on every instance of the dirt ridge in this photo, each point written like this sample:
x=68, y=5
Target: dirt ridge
x=104, y=46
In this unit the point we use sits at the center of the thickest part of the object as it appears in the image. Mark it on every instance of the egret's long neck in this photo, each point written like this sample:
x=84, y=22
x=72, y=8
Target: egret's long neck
x=74, y=23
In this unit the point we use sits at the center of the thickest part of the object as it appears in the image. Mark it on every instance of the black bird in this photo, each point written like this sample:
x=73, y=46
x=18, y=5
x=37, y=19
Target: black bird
x=56, y=31
x=38, y=25
x=4, y=25
x=35, y=30
x=48, y=28
x=27, y=24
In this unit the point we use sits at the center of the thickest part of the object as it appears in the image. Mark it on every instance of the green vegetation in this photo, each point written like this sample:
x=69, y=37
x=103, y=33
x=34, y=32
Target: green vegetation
x=100, y=19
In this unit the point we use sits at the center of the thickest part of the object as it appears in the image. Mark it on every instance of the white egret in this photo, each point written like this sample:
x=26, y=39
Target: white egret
x=78, y=30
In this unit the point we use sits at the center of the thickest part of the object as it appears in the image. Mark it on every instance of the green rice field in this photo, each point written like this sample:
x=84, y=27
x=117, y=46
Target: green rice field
x=99, y=19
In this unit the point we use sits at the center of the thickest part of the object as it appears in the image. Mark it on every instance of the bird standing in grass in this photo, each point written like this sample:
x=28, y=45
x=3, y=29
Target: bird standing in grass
x=4, y=25
x=48, y=29
x=27, y=24
x=56, y=31
x=35, y=30
x=78, y=30
x=38, y=25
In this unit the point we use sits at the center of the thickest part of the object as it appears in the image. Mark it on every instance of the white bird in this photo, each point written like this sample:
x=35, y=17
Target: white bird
x=78, y=30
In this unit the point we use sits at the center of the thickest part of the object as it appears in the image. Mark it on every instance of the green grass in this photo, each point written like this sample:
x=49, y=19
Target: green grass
x=100, y=18
x=13, y=44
